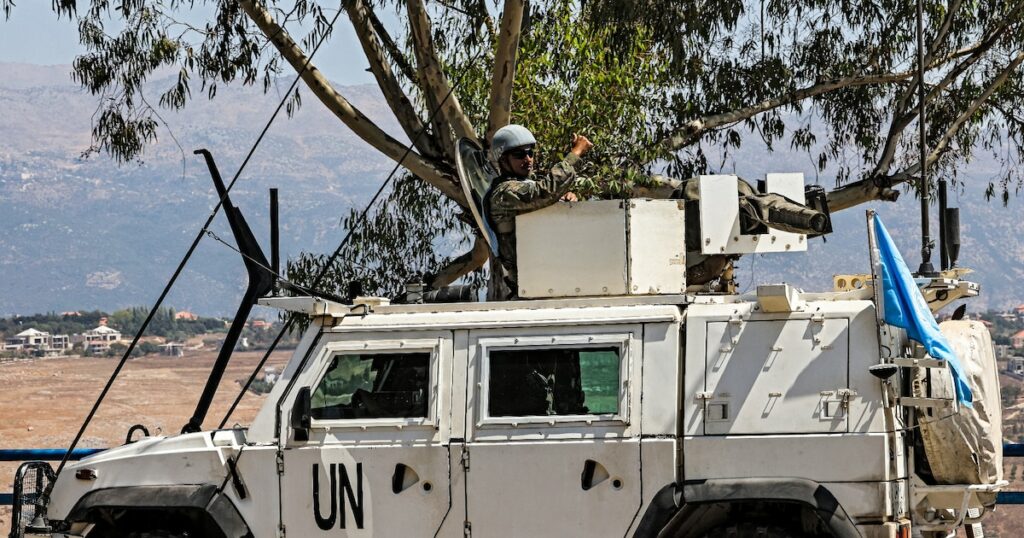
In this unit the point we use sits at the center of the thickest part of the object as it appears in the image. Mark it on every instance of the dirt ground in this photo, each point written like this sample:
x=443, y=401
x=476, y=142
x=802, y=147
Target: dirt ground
x=43, y=402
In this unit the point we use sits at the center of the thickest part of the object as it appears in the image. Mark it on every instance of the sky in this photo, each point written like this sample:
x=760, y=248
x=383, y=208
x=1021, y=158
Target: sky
x=34, y=35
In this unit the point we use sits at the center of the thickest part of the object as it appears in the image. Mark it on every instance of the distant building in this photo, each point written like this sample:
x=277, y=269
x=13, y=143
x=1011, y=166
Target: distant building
x=173, y=349
x=261, y=324
x=39, y=342
x=271, y=375
x=1017, y=340
x=1015, y=365
x=186, y=315
x=98, y=340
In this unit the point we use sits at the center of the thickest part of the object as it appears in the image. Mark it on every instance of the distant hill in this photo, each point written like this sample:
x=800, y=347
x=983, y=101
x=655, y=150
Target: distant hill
x=87, y=234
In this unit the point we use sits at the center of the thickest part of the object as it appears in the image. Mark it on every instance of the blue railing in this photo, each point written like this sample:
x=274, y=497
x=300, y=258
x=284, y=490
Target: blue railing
x=1011, y=450
x=40, y=454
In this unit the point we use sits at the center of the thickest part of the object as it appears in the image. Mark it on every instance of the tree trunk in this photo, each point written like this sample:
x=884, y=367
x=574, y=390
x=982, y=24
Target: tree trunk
x=348, y=114
x=434, y=81
x=500, y=110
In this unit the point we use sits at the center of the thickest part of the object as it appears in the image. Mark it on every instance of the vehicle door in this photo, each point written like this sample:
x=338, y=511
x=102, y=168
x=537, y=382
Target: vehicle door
x=376, y=459
x=553, y=431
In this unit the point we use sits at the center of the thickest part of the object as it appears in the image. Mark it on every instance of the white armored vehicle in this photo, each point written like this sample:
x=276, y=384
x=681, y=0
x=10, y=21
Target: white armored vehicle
x=611, y=400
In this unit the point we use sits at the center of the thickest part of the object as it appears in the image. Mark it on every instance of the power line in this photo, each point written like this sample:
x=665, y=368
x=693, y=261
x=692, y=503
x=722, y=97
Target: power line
x=184, y=261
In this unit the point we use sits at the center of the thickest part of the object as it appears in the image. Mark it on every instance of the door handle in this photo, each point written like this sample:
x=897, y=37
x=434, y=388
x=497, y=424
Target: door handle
x=593, y=474
x=404, y=478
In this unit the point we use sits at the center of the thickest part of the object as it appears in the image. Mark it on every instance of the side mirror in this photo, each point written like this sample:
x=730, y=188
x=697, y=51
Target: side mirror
x=300, y=422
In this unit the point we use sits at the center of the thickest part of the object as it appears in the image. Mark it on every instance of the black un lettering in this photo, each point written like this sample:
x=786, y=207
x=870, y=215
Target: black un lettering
x=343, y=490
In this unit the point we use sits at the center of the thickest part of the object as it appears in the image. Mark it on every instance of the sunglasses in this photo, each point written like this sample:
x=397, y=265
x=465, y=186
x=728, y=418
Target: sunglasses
x=521, y=153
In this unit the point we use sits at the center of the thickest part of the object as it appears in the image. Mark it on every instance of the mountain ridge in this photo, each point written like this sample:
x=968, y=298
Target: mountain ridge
x=85, y=233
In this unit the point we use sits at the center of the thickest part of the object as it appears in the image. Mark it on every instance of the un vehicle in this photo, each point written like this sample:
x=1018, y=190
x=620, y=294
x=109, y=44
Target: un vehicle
x=612, y=399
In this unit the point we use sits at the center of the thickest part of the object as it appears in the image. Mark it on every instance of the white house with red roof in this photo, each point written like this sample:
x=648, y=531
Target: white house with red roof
x=1017, y=340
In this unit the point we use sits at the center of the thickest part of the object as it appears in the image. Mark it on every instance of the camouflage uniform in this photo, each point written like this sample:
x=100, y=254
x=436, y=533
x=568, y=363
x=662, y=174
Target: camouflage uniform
x=511, y=196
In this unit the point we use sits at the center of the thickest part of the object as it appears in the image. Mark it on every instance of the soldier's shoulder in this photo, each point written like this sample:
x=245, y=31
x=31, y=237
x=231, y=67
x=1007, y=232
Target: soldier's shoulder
x=514, y=186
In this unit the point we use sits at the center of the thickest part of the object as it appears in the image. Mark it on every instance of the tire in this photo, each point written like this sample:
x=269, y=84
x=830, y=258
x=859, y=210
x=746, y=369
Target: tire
x=752, y=530
x=108, y=532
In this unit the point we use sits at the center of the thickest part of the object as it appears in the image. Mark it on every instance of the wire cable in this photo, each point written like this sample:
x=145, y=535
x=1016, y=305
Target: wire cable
x=348, y=236
x=183, y=262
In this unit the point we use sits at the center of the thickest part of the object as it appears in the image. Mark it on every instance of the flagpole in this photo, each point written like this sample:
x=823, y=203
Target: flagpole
x=876, y=269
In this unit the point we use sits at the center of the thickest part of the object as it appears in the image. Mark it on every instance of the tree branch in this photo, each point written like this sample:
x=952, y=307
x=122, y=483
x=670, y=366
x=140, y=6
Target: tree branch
x=436, y=83
x=999, y=80
x=902, y=118
x=393, y=51
x=464, y=264
x=695, y=129
x=348, y=114
x=399, y=103
x=500, y=109
x=880, y=187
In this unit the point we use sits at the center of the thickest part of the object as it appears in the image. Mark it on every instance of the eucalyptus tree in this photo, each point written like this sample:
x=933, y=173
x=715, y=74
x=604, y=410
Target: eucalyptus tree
x=657, y=84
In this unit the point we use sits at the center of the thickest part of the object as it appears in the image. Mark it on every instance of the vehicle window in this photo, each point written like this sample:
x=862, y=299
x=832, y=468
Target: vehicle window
x=391, y=385
x=554, y=381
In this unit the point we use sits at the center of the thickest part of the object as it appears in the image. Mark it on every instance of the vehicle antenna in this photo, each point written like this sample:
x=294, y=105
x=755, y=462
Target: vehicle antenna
x=337, y=252
x=926, y=268
x=181, y=265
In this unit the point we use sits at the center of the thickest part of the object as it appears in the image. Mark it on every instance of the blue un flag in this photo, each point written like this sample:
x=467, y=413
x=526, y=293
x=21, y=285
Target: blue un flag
x=905, y=307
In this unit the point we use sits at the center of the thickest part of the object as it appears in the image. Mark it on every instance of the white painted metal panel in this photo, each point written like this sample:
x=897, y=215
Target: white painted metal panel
x=572, y=249
x=863, y=500
x=662, y=370
x=355, y=460
x=525, y=476
x=776, y=376
x=866, y=411
x=531, y=489
x=661, y=467
x=657, y=246
x=720, y=217
x=352, y=494
x=818, y=457
x=261, y=509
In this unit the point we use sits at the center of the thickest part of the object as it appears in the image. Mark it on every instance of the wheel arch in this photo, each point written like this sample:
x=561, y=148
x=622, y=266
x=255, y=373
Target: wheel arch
x=675, y=504
x=200, y=504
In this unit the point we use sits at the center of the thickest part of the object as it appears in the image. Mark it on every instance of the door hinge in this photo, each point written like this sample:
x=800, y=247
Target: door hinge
x=465, y=459
x=280, y=462
x=280, y=531
x=467, y=529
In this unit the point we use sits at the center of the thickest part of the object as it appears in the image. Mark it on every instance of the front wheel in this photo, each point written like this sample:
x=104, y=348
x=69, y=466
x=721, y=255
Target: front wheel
x=753, y=530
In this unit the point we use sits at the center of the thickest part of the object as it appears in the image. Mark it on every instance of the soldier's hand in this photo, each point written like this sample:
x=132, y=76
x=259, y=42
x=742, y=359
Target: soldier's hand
x=580, y=144
x=570, y=197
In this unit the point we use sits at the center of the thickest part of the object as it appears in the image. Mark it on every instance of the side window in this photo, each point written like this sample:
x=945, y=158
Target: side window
x=373, y=385
x=554, y=381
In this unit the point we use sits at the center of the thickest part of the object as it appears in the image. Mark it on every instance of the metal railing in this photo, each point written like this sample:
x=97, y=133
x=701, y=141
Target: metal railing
x=1011, y=450
x=40, y=454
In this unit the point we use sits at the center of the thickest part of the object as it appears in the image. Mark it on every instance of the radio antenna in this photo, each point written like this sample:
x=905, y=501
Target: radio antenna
x=926, y=268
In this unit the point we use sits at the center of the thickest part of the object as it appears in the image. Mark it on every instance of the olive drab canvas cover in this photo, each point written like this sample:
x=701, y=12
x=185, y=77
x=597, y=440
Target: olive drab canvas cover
x=477, y=174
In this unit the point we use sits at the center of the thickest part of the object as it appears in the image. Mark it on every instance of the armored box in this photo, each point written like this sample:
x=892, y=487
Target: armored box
x=606, y=247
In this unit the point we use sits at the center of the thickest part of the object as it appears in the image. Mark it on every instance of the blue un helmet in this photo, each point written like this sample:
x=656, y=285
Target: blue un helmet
x=510, y=137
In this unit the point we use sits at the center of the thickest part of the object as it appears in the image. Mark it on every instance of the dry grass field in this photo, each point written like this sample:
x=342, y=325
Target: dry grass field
x=43, y=402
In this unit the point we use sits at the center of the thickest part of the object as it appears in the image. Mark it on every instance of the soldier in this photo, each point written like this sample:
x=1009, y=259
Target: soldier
x=519, y=190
